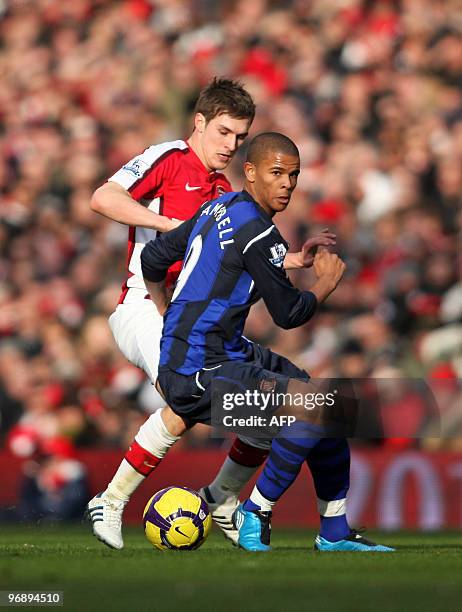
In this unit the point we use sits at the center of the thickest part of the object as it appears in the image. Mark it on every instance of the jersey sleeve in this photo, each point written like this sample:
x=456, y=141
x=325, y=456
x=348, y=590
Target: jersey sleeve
x=264, y=258
x=159, y=254
x=145, y=173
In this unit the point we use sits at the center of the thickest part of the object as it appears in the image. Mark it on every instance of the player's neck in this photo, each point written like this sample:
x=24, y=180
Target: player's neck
x=194, y=144
x=249, y=188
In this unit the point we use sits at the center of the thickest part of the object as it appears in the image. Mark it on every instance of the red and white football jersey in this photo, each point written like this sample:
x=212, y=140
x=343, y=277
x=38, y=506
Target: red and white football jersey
x=170, y=180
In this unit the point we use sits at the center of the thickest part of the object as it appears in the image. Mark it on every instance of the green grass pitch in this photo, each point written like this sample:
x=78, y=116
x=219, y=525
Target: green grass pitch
x=425, y=573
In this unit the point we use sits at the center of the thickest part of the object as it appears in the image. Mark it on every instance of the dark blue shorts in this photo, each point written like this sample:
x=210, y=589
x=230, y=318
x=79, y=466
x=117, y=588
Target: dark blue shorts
x=191, y=396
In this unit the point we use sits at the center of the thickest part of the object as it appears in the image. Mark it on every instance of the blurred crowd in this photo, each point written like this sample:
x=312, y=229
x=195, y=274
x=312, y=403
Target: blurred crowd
x=371, y=92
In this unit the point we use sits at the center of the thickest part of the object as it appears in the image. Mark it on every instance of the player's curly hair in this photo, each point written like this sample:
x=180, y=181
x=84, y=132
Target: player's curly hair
x=225, y=96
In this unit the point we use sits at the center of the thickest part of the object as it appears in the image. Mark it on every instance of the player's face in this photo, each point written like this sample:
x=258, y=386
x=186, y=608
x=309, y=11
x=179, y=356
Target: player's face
x=219, y=139
x=273, y=180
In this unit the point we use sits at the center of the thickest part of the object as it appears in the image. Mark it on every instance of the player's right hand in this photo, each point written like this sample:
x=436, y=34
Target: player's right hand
x=328, y=266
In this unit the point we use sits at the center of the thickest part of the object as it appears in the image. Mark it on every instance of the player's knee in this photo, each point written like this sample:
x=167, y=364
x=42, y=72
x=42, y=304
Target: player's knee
x=175, y=425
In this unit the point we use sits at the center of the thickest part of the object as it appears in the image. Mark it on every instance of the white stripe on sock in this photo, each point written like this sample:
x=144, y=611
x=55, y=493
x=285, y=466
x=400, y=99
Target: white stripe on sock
x=257, y=498
x=337, y=507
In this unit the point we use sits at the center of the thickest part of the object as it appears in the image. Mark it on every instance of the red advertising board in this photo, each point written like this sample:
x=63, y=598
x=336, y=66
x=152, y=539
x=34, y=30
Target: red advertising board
x=389, y=489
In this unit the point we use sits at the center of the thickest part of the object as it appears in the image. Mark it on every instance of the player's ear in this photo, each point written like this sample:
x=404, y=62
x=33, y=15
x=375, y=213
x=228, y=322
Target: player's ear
x=249, y=171
x=199, y=122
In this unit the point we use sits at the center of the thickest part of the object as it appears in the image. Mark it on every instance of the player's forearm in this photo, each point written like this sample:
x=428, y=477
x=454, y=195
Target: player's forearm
x=114, y=202
x=158, y=255
x=293, y=261
x=323, y=288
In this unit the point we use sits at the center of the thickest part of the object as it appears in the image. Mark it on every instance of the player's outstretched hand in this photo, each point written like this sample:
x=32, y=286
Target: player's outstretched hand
x=324, y=239
x=329, y=267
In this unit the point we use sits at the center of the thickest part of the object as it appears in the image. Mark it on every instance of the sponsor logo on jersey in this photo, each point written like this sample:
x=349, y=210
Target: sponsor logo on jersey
x=189, y=188
x=137, y=167
x=278, y=252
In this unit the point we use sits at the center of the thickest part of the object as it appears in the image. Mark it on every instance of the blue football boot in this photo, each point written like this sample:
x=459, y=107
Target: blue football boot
x=355, y=542
x=254, y=529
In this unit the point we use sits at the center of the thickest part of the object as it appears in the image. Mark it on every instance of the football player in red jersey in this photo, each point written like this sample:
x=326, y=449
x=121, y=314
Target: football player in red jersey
x=171, y=181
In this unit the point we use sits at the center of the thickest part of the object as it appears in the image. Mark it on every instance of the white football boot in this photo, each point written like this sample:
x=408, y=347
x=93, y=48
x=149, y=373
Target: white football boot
x=106, y=518
x=222, y=514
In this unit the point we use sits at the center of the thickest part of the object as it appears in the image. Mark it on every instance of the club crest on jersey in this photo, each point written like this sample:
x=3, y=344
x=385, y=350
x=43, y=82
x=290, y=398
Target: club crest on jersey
x=278, y=252
x=221, y=190
x=267, y=385
x=137, y=167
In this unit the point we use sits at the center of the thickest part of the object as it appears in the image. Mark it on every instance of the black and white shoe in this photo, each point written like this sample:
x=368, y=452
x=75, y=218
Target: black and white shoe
x=106, y=519
x=222, y=514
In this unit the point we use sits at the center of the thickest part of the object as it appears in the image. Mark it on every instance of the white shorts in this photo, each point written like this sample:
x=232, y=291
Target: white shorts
x=137, y=329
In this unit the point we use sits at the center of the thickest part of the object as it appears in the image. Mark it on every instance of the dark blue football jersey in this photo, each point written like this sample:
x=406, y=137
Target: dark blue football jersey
x=233, y=255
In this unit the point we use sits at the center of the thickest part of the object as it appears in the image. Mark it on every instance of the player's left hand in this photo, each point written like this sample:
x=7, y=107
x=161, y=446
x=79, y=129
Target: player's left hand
x=324, y=239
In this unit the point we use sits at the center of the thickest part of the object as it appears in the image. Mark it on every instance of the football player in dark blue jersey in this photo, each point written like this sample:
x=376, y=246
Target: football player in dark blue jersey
x=233, y=255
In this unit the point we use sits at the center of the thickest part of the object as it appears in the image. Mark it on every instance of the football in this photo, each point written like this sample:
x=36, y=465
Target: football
x=177, y=518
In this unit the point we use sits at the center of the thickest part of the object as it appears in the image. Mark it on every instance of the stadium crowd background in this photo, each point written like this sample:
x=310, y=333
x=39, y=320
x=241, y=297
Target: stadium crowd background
x=371, y=91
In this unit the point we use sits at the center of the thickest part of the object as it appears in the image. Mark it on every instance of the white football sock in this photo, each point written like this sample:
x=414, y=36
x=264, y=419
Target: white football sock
x=124, y=482
x=155, y=438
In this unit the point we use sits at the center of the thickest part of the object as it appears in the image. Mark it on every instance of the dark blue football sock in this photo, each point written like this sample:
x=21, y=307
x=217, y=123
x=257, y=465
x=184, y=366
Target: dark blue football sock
x=329, y=463
x=288, y=452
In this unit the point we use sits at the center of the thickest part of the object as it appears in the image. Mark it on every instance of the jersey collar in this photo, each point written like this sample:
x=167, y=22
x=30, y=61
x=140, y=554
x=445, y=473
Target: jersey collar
x=263, y=212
